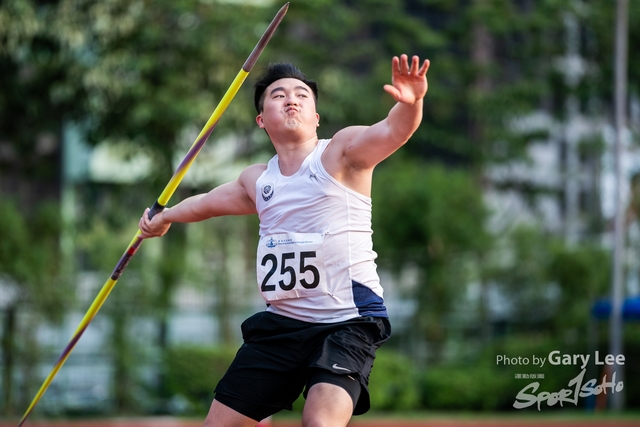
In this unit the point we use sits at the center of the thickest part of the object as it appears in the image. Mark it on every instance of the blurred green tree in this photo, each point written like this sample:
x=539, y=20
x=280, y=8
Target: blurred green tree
x=135, y=74
x=33, y=290
x=433, y=220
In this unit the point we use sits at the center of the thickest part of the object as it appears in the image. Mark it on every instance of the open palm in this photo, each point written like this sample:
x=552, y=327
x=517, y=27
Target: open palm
x=409, y=83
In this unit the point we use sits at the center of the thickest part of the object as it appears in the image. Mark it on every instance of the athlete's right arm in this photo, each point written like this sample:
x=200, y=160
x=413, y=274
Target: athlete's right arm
x=233, y=198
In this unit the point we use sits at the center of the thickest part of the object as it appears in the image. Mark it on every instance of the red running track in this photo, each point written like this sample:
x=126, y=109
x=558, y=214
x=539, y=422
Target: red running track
x=427, y=422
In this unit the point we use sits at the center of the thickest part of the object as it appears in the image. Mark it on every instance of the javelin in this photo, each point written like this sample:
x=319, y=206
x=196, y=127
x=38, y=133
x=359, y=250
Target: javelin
x=161, y=202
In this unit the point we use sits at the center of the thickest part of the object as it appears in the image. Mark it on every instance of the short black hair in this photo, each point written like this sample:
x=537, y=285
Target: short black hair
x=279, y=71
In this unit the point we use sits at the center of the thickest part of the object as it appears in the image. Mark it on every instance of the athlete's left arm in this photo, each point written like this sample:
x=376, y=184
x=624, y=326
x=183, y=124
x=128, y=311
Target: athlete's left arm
x=363, y=147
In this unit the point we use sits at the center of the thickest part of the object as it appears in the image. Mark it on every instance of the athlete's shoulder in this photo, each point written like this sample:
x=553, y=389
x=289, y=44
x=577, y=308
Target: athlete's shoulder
x=249, y=176
x=253, y=172
x=347, y=134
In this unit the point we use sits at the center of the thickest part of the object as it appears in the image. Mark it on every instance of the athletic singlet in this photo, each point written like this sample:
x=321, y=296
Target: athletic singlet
x=315, y=258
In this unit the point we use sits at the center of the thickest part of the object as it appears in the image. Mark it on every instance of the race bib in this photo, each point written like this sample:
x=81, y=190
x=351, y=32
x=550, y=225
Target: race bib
x=289, y=265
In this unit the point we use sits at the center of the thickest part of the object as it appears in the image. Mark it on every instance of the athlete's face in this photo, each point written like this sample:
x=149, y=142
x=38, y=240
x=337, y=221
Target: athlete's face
x=288, y=106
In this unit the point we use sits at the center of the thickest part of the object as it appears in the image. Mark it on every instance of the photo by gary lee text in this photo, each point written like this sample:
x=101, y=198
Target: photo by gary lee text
x=558, y=358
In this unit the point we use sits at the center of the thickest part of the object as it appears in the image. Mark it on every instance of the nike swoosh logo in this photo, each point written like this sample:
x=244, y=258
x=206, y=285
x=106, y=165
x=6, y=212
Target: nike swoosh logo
x=340, y=368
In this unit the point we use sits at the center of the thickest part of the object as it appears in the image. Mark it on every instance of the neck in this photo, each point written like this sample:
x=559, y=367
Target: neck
x=291, y=155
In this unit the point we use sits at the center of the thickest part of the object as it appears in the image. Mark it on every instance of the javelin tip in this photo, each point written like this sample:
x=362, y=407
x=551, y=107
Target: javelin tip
x=253, y=58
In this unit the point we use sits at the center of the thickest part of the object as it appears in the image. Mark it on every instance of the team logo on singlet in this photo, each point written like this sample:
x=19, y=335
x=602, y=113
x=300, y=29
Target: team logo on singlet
x=267, y=192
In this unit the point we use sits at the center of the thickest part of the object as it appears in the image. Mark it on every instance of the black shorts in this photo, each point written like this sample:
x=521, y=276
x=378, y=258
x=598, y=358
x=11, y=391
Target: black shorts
x=283, y=357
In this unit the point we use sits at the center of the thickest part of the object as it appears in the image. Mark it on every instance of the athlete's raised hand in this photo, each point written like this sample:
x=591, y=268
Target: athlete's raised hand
x=409, y=83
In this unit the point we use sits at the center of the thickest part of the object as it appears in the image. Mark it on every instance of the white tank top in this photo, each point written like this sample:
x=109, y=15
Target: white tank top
x=315, y=258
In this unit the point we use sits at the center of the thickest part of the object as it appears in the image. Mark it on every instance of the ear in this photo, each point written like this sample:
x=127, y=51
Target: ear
x=317, y=119
x=259, y=121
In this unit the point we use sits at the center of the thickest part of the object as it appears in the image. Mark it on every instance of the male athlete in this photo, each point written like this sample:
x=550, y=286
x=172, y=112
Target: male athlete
x=325, y=313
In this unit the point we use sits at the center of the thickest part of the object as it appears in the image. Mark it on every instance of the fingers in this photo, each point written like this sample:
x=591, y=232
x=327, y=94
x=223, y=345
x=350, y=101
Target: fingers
x=395, y=65
x=146, y=227
x=425, y=67
x=143, y=225
x=155, y=227
x=391, y=90
x=404, y=64
x=415, y=64
x=400, y=65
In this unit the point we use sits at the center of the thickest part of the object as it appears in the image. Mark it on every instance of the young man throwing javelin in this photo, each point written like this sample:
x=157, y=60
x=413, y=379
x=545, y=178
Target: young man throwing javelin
x=325, y=315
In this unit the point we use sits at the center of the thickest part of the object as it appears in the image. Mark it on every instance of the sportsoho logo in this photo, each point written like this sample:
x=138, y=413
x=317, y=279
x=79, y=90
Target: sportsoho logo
x=576, y=387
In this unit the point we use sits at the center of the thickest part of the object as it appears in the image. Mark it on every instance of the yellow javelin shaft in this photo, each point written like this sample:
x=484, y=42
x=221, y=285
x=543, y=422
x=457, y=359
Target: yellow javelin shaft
x=206, y=130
